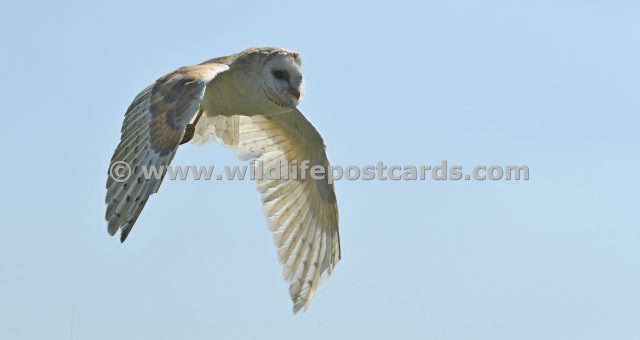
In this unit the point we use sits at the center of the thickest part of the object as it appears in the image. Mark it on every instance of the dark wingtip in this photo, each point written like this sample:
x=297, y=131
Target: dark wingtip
x=124, y=234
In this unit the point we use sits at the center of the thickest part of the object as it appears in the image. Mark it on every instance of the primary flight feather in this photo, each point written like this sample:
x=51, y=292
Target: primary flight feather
x=246, y=101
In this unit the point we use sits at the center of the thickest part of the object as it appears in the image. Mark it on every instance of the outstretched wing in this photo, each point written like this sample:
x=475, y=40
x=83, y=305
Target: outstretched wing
x=302, y=213
x=152, y=130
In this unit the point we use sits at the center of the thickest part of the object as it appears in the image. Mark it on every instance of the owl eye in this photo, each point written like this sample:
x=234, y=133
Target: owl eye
x=278, y=74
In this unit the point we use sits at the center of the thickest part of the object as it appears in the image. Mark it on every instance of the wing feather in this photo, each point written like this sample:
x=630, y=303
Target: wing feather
x=301, y=213
x=151, y=133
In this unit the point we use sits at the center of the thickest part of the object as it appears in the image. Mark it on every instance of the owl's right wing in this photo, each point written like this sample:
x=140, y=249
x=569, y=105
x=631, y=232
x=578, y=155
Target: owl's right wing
x=153, y=128
x=302, y=213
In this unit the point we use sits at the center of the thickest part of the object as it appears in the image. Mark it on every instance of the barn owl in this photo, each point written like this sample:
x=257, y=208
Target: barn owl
x=246, y=101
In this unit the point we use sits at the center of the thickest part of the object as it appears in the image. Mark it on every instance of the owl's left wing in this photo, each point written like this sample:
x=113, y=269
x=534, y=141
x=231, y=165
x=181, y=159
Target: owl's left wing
x=303, y=212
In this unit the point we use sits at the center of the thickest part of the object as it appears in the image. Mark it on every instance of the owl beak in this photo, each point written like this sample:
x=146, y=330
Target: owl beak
x=295, y=93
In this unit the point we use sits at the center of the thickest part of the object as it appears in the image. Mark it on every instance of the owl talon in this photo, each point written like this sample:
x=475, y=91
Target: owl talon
x=191, y=129
x=188, y=133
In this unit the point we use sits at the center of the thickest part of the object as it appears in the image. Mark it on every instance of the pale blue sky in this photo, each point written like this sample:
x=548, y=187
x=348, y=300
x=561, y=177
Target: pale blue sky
x=550, y=84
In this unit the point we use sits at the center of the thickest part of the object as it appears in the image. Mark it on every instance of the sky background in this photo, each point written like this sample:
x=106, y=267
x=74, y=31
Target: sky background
x=550, y=84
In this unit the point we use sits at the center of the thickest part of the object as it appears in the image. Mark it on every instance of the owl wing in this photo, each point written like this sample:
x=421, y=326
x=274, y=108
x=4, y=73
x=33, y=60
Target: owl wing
x=151, y=132
x=302, y=213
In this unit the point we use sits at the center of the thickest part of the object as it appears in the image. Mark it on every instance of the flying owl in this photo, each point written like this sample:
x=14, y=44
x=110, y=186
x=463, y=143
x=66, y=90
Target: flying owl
x=246, y=101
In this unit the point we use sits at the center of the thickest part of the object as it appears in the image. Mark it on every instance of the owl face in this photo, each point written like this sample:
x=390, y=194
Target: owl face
x=282, y=78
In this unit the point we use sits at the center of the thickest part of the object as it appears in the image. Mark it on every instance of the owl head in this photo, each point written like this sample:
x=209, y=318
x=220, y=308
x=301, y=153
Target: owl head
x=282, y=78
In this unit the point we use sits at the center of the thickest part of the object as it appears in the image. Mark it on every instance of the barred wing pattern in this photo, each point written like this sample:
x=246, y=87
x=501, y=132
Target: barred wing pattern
x=302, y=213
x=151, y=133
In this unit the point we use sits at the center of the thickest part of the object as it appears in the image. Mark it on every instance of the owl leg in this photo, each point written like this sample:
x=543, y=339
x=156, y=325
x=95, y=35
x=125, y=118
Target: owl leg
x=191, y=129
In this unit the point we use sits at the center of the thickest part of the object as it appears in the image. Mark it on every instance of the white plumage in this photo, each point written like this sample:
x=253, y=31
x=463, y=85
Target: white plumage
x=246, y=101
